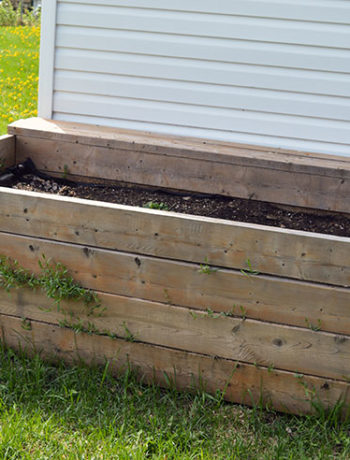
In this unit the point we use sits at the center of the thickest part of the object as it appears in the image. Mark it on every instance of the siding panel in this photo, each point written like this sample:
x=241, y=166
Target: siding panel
x=261, y=72
x=334, y=11
x=204, y=25
x=230, y=97
x=219, y=73
x=204, y=48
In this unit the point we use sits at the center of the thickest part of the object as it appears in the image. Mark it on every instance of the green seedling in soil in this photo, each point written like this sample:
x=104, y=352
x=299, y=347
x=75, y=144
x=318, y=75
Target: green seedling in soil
x=249, y=271
x=154, y=205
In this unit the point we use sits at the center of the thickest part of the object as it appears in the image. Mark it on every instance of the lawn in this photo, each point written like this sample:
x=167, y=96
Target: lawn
x=54, y=411
x=19, y=62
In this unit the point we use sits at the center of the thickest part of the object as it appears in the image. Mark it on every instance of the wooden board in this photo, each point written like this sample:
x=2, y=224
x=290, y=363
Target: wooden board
x=266, y=298
x=7, y=151
x=253, y=182
x=271, y=250
x=307, y=180
x=242, y=383
x=103, y=136
x=281, y=347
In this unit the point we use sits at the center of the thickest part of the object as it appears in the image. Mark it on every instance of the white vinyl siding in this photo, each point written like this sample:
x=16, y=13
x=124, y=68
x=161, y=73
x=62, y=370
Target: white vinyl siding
x=272, y=73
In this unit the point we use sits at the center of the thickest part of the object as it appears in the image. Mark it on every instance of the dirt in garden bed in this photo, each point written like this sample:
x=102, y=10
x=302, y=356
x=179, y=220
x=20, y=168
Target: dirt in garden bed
x=235, y=209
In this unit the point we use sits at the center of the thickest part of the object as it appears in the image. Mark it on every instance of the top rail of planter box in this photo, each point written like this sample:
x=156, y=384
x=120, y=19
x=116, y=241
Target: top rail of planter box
x=279, y=176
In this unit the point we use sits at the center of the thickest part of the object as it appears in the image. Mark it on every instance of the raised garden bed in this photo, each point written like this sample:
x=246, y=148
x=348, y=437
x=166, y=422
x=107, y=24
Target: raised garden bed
x=261, y=313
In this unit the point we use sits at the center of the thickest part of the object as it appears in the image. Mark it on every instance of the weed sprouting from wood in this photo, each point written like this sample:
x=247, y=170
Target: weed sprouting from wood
x=167, y=296
x=58, y=285
x=213, y=314
x=26, y=324
x=243, y=312
x=249, y=271
x=270, y=368
x=54, y=280
x=13, y=276
x=209, y=312
x=129, y=336
x=79, y=326
x=313, y=327
x=65, y=172
x=206, y=269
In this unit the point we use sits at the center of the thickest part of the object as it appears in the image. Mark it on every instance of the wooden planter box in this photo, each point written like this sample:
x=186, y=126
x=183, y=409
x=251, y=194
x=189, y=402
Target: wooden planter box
x=287, y=343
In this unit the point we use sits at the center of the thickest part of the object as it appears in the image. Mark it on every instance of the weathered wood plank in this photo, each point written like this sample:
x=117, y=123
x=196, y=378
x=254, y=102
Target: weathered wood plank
x=242, y=383
x=288, y=253
x=282, y=347
x=259, y=182
x=316, y=181
x=7, y=151
x=103, y=136
x=260, y=297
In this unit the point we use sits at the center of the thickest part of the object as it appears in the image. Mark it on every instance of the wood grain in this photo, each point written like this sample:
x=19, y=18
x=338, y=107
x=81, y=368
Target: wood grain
x=242, y=383
x=7, y=151
x=282, y=347
x=309, y=180
x=287, y=253
x=103, y=136
x=258, y=182
x=260, y=297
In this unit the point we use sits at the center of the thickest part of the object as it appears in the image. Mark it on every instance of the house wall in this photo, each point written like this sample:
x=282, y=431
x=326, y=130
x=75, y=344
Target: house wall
x=261, y=72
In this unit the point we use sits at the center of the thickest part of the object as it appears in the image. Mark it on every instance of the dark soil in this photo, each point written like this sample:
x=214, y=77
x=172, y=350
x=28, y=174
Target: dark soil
x=235, y=209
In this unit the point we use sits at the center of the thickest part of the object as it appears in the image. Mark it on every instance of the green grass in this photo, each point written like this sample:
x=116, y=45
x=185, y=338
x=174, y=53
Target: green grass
x=54, y=412
x=19, y=61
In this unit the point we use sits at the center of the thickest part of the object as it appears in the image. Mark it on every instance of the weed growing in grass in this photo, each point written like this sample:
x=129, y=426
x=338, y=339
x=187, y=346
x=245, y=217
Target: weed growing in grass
x=154, y=205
